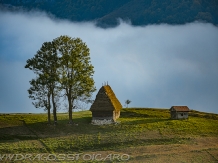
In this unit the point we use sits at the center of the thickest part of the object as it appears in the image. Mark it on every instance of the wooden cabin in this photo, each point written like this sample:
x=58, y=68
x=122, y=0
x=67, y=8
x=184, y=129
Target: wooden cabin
x=179, y=112
x=106, y=107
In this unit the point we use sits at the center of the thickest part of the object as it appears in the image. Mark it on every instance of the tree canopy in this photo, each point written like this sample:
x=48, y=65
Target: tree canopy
x=44, y=64
x=75, y=70
x=62, y=68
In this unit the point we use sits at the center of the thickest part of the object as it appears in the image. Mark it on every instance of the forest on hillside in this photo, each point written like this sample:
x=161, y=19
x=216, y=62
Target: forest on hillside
x=106, y=12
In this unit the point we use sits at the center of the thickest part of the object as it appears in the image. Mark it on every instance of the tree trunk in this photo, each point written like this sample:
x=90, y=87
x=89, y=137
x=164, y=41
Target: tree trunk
x=49, y=109
x=70, y=109
x=49, y=116
x=54, y=109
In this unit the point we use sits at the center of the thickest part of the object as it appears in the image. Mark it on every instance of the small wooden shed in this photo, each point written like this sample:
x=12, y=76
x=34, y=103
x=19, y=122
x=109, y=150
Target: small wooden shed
x=179, y=112
x=106, y=106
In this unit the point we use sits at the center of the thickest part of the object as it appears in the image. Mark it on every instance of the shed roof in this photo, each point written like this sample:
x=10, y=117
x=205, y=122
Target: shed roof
x=180, y=108
x=106, y=100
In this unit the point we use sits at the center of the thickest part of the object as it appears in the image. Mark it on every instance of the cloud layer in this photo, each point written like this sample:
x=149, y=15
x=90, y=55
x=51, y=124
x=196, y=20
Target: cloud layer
x=153, y=66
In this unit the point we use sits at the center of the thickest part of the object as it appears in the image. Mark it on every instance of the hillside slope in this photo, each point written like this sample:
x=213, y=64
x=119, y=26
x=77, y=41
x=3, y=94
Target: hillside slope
x=140, y=12
x=146, y=135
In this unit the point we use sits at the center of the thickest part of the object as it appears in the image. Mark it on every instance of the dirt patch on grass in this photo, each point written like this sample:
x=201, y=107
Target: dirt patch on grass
x=198, y=150
x=198, y=157
x=152, y=135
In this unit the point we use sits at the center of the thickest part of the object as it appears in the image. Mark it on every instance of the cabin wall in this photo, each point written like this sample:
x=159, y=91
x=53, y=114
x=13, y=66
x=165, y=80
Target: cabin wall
x=101, y=115
x=179, y=115
x=182, y=115
x=173, y=115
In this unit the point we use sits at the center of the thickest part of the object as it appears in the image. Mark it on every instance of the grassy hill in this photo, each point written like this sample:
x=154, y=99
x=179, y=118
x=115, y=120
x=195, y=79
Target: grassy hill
x=144, y=134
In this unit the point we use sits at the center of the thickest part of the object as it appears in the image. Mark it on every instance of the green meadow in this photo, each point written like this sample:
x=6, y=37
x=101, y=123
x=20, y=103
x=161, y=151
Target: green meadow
x=139, y=131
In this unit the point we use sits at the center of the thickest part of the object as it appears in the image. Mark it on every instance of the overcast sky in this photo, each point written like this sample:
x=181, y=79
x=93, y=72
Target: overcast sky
x=153, y=66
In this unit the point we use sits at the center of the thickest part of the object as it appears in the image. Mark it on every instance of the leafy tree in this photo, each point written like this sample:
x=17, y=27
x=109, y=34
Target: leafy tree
x=63, y=64
x=75, y=70
x=127, y=102
x=41, y=95
x=45, y=64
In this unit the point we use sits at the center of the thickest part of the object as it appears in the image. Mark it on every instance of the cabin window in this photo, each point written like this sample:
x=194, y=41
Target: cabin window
x=181, y=114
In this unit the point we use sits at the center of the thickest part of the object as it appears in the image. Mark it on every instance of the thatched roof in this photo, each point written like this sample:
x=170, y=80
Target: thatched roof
x=106, y=100
x=180, y=108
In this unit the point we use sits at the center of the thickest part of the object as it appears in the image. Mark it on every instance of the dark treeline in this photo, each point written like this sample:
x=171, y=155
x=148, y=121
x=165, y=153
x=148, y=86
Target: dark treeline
x=140, y=12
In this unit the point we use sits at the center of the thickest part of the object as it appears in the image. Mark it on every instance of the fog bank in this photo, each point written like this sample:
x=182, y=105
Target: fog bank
x=153, y=66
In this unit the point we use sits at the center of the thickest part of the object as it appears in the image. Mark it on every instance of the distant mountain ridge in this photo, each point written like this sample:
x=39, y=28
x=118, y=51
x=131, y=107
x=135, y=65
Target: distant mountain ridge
x=106, y=12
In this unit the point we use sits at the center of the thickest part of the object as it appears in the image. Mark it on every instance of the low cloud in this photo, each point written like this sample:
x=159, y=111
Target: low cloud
x=153, y=66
